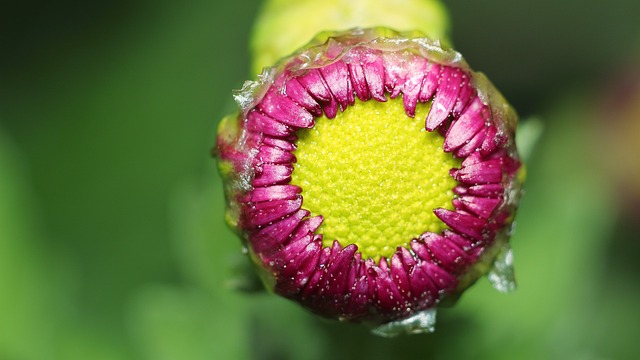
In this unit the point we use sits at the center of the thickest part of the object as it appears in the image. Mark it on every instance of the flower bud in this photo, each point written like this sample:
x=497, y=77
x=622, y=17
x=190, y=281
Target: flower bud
x=372, y=175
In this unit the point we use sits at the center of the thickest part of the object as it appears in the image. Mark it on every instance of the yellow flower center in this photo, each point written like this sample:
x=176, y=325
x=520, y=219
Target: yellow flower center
x=376, y=175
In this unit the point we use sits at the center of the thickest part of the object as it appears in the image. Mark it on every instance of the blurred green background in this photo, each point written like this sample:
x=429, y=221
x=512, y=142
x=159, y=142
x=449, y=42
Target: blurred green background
x=112, y=241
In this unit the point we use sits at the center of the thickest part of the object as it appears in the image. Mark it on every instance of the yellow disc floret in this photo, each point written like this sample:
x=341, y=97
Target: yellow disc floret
x=376, y=175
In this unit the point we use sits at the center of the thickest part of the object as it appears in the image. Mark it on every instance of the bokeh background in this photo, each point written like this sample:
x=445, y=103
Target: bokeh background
x=112, y=241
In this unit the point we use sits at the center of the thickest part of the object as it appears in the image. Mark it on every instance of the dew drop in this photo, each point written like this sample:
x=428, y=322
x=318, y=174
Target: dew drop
x=502, y=275
x=418, y=323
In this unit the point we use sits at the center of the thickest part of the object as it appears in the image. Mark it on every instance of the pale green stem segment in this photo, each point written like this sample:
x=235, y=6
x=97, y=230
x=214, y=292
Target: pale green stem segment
x=283, y=26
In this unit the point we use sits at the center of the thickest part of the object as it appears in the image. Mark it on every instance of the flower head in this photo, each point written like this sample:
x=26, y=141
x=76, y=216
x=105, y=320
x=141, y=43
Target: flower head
x=371, y=174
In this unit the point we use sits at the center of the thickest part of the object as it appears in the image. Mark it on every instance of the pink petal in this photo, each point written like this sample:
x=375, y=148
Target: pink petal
x=485, y=172
x=467, y=92
x=486, y=190
x=274, y=155
x=445, y=98
x=293, y=249
x=279, y=143
x=481, y=206
x=271, y=174
x=462, y=242
x=442, y=279
x=421, y=250
x=359, y=82
x=491, y=142
x=430, y=82
x=296, y=275
x=285, y=110
x=277, y=192
x=389, y=297
x=413, y=84
x=307, y=226
x=399, y=275
x=465, y=127
x=474, y=144
x=423, y=288
x=260, y=123
x=318, y=88
x=269, y=238
x=335, y=280
x=374, y=74
x=336, y=76
x=299, y=94
x=449, y=256
x=266, y=212
x=461, y=222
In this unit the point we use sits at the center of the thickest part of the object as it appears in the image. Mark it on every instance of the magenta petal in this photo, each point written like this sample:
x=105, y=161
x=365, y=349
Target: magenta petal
x=443, y=280
x=269, y=238
x=463, y=223
x=399, y=275
x=279, y=143
x=260, y=123
x=318, y=88
x=296, y=274
x=359, y=82
x=423, y=288
x=299, y=94
x=389, y=298
x=265, y=212
x=460, y=190
x=294, y=248
x=334, y=282
x=336, y=76
x=307, y=226
x=274, y=155
x=283, y=109
x=374, y=74
x=489, y=171
x=487, y=190
x=421, y=251
x=407, y=258
x=473, y=144
x=271, y=174
x=462, y=242
x=481, y=206
x=449, y=256
x=359, y=299
x=445, y=98
x=491, y=142
x=276, y=192
x=430, y=82
x=463, y=129
x=467, y=92
x=461, y=133
x=311, y=288
x=315, y=85
x=472, y=159
x=352, y=276
x=413, y=85
x=394, y=77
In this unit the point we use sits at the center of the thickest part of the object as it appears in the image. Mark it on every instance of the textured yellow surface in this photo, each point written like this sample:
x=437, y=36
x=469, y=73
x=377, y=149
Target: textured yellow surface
x=375, y=175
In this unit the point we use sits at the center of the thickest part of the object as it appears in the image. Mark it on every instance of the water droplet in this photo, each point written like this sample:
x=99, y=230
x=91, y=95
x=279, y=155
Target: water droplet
x=418, y=323
x=502, y=275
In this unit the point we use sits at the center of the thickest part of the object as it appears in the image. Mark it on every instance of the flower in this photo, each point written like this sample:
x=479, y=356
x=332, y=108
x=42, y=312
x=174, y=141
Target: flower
x=372, y=174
